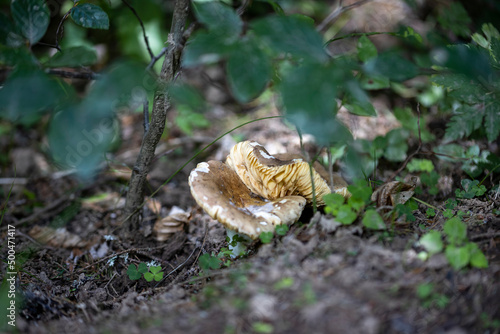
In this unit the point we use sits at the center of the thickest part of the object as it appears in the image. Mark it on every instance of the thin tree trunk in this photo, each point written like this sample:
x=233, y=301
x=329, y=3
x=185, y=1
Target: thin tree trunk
x=135, y=195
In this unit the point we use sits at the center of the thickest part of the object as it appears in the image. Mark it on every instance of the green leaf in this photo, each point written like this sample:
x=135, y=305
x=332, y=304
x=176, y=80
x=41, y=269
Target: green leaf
x=89, y=15
x=425, y=291
x=432, y=242
x=248, y=70
x=477, y=258
x=405, y=210
x=455, y=18
x=73, y=57
x=396, y=145
x=208, y=261
x=221, y=20
x=455, y=230
x=471, y=61
x=372, y=220
x=374, y=82
x=132, y=272
x=458, y=257
x=205, y=48
x=420, y=165
x=291, y=34
x=461, y=87
x=333, y=202
x=467, y=119
x=26, y=95
x=366, y=49
x=186, y=95
x=345, y=215
x=357, y=101
x=148, y=277
x=9, y=33
x=309, y=95
x=360, y=190
x=282, y=229
x=31, y=17
x=266, y=237
x=142, y=268
x=492, y=121
x=391, y=65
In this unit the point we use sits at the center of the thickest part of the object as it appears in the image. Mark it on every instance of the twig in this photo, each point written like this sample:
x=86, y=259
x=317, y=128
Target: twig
x=151, y=54
x=485, y=235
x=60, y=29
x=414, y=153
x=75, y=75
x=154, y=59
x=177, y=268
x=145, y=110
x=58, y=204
x=339, y=10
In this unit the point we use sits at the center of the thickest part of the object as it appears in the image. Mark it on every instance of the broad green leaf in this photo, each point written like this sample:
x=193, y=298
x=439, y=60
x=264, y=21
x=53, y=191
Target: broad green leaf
x=477, y=258
x=360, y=190
x=357, y=101
x=333, y=202
x=21, y=57
x=454, y=17
x=291, y=34
x=187, y=95
x=132, y=272
x=266, y=237
x=208, y=261
x=396, y=145
x=432, y=242
x=465, y=121
x=149, y=276
x=89, y=15
x=309, y=94
x=31, y=17
x=374, y=82
x=73, y=57
x=461, y=87
x=26, y=95
x=420, y=165
x=142, y=268
x=392, y=66
x=366, y=49
x=471, y=61
x=345, y=215
x=492, y=120
x=9, y=33
x=205, y=48
x=79, y=136
x=220, y=19
x=458, y=257
x=155, y=269
x=455, y=230
x=123, y=84
x=282, y=229
x=372, y=220
x=248, y=70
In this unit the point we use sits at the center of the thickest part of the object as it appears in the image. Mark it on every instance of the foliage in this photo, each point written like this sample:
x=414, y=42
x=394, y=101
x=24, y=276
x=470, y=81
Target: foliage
x=458, y=250
x=150, y=273
x=428, y=296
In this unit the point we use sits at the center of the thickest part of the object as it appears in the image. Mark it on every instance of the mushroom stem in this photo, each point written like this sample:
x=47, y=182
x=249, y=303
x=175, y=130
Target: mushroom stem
x=239, y=245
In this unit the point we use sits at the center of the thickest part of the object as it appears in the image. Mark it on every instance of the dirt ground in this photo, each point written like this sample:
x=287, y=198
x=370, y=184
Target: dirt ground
x=318, y=278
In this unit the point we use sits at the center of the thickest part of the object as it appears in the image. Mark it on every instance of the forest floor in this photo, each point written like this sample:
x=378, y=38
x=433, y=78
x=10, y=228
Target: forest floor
x=318, y=278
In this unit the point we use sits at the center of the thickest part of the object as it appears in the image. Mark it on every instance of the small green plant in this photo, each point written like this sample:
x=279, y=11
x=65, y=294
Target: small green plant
x=209, y=261
x=150, y=273
x=459, y=251
x=472, y=189
x=346, y=211
x=428, y=296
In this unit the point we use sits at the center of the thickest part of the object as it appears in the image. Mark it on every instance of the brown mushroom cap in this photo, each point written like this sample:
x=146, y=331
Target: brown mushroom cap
x=223, y=195
x=274, y=177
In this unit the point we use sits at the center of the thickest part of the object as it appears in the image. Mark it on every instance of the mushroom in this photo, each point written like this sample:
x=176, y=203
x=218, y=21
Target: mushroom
x=282, y=175
x=223, y=195
x=253, y=191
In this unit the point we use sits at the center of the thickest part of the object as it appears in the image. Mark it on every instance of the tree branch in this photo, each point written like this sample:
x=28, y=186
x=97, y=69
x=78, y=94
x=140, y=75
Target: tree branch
x=161, y=105
x=151, y=54
x=339, y=10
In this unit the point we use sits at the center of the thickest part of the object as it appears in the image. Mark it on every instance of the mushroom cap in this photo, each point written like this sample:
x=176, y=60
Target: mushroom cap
x=222, y=194
x=282, y=175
